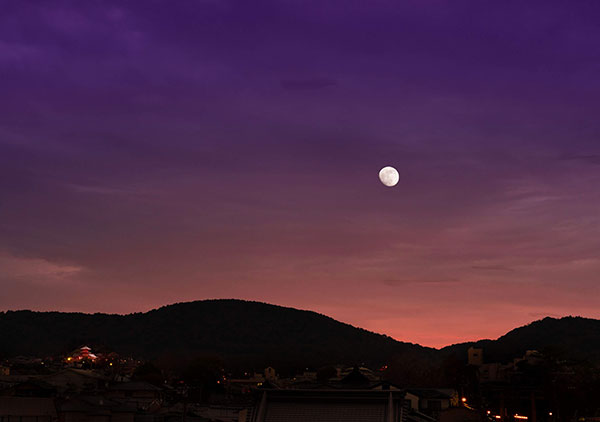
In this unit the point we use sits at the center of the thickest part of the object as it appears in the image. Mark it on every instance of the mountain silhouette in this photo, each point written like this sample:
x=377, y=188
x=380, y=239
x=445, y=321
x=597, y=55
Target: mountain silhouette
x=254, y=333
x=569, y=338
x=242, y=331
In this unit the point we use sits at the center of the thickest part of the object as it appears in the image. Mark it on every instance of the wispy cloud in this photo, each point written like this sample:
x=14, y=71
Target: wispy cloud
x=14, y=267
x=307, y=84
x=106, y=190
x=492, y=268
x=402, y=282
x=586, y=158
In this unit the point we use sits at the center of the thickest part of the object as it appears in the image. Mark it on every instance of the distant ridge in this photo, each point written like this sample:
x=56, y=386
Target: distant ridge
x=569, y=337
x=250, y=332
x=255, y=333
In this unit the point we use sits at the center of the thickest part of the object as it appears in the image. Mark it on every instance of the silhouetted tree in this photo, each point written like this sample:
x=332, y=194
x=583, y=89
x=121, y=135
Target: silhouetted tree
x=325, y=373
x=203, y=375
x=148, y=372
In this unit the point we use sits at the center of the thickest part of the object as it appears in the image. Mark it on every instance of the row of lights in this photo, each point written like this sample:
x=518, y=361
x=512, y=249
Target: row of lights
x=517, y=416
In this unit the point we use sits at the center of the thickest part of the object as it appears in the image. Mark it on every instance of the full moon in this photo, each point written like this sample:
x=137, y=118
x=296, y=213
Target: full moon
x=389, y=176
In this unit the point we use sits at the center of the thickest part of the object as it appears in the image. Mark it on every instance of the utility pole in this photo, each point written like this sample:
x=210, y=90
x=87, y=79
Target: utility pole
x=533, y=409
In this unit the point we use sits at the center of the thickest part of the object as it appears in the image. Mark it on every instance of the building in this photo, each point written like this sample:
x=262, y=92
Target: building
x=475, y=356
x=460, y=414
x=430, y=401
x=245, y=385
x=27, y=409
x=491, y=372
x=224, y=413
x=95, y=409
x=366, y=372
x=270, y=374
x=331, y=406
x=81, y=355
x=72, y=380
x=140, y=394
x=33, y=388
x=531, y=357
x=498, y=372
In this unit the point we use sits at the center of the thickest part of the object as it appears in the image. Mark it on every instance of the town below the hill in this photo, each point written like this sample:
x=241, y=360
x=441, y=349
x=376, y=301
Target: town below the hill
x=94, y=387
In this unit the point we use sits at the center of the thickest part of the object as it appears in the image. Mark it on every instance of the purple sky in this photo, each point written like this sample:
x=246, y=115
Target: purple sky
x=157, y=151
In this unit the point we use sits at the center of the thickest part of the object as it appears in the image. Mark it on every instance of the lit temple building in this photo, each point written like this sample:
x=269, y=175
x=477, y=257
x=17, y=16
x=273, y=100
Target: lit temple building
x=82, y=354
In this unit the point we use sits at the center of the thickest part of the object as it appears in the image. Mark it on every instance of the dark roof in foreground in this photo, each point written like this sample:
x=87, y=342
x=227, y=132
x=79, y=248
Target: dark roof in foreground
x=135, y=386
x=429, y=393
x=331, y=406
x=27, y=406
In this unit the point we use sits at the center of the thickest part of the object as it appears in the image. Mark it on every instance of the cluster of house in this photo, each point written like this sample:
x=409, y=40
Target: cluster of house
x=353, y=394
x=73, y=392
x=500, y=372
x=508, y=392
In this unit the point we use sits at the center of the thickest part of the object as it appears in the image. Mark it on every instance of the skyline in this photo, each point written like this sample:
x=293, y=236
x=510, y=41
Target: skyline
x=216, y=149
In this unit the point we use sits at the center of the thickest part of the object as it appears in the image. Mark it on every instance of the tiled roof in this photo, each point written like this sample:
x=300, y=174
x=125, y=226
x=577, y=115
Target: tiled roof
x=429, y=393
x=330, y=406
x=27, y=406
x=96, y=404
x=135, y=386
x=324, y=412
